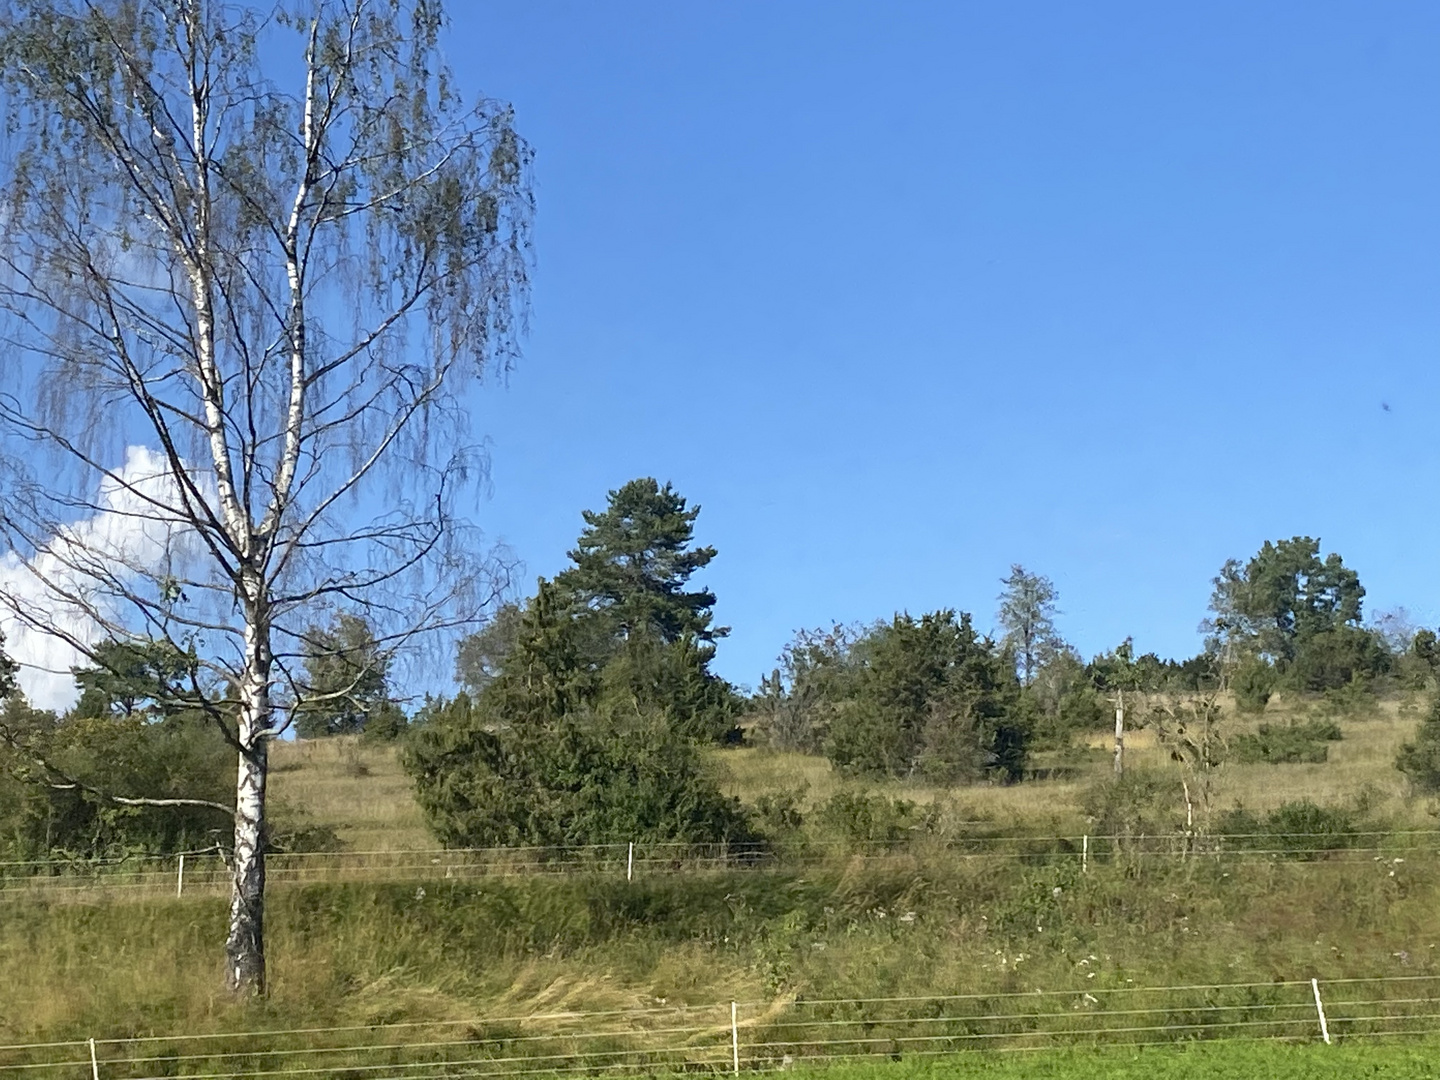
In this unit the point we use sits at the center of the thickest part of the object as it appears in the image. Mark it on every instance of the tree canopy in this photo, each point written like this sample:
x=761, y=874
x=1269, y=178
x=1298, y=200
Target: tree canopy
x=634, y=560
x=556, y=751
x=1297, y=612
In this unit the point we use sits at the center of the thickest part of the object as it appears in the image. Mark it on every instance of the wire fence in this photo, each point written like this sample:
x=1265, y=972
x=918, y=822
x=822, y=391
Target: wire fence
x=207, y=873
x=757, y=1036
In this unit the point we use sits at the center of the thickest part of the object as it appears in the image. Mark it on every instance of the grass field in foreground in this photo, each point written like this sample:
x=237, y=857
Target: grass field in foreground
x=1191, y=1061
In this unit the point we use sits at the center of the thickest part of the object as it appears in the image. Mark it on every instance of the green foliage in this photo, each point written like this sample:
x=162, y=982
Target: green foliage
x=556, y=751
x=634, y=560
x=672, y=681
x=7, y=672
x=1253, y=683
x=633, y=629
x=149, y=680
x=1135, y=803
x=1272, y=744
x=143, y=727
x=778, y=814
x=1419, y=759
x=800, y=698
x=1298, y=612
x=1336, y=658
x=1121, y=669
x=347, y=683
x=1425, y=646
x=1301, y=830
x=870, y=818
x=928, y=696
x=42, y=813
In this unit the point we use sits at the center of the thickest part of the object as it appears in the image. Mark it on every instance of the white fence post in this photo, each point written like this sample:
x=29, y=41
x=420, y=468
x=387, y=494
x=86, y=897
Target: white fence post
x=1085, y=854
x=94, y=1065
x=630, y=863
x=1320, y=1011
x=180, y=877
x=735, y=1037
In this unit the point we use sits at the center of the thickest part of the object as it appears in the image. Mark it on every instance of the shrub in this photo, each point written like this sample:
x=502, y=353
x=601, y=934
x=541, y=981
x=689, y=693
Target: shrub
x=1420, y=760
x=873, y=818
x=1131, y=804
x=580, y=778
x=930, y=696
x=1302, y=829
x=1253, y=683
x=1273, y=744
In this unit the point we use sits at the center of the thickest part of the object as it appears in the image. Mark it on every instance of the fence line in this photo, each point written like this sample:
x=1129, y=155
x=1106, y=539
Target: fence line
x=206, y=871
x=545, y=851
x=754, y=1036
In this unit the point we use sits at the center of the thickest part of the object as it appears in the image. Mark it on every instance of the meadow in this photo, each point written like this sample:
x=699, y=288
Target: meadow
x=919, y=924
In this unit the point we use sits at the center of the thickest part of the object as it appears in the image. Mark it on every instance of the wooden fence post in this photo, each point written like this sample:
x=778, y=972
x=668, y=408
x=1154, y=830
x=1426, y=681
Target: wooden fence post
x=1119, y=732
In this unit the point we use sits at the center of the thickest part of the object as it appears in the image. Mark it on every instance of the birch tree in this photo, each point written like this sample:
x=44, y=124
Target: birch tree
x=253, y=266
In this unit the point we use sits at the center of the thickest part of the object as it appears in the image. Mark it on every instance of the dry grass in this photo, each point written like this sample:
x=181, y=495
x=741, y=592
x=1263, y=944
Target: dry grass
x=356, y=788
x=1361, y=765
x=360, y=790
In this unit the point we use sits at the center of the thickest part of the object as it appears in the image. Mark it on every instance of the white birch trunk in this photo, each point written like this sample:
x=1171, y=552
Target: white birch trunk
x=245, y=943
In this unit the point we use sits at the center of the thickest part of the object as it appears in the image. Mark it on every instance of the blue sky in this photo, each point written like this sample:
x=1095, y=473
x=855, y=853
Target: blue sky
x=904, y=293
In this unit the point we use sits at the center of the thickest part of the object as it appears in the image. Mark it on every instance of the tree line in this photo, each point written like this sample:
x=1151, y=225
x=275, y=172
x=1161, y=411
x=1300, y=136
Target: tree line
x=585, y=710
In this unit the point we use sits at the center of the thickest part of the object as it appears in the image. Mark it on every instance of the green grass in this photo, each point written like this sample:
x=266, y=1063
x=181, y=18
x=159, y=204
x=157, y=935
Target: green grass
x=922, y=924
x=377, y=953
x=1193, y=1061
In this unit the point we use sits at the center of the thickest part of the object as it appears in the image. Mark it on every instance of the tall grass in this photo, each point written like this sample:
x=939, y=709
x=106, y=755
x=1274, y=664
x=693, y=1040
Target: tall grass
x=920, y=924
x=368, y=953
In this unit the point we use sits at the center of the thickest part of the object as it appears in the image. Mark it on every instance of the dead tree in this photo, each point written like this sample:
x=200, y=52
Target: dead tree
x=232, y=309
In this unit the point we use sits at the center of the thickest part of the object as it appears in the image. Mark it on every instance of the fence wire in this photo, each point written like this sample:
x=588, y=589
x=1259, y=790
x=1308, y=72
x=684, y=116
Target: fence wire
x=758, y=1036
x=206, y=873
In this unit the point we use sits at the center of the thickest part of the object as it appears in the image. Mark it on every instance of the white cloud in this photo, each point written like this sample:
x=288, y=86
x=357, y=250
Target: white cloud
x=127, y=534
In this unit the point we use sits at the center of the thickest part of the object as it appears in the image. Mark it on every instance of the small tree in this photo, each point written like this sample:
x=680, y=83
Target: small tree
x=801, y=696
x=546, y=754
x=1189, y=729
x=1419, y=759
x=1027, y=615
x=930, y=697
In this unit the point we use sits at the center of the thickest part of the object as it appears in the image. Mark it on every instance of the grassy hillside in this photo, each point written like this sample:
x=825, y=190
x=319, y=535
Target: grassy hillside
x=361, y=791
x=922, y=923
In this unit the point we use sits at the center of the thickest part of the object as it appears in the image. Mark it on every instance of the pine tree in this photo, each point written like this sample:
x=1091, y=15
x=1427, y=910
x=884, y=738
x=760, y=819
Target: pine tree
x=634, y=561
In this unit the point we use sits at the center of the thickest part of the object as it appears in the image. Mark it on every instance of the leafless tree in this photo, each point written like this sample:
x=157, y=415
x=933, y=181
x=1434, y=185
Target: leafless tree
x=242, y=324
